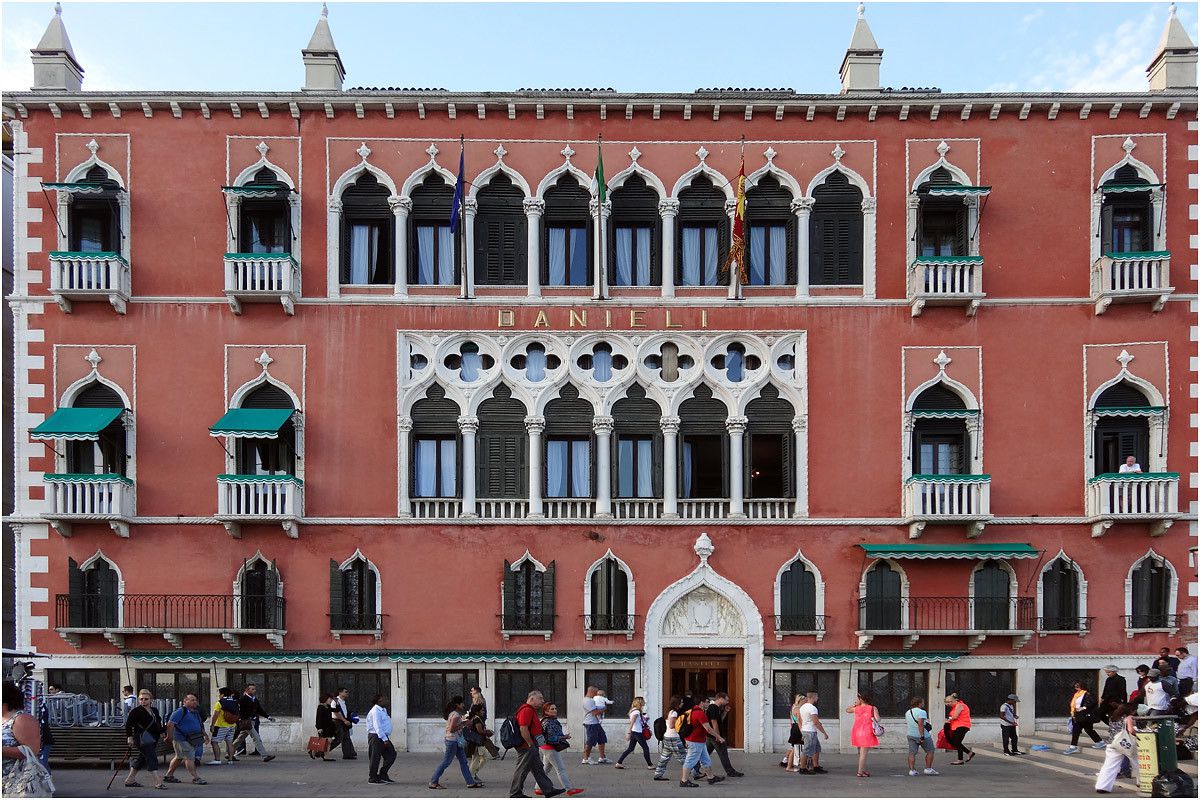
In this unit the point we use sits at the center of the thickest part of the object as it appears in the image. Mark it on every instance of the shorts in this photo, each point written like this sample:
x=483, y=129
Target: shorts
x=146, y=757
x=811, y=745
x=225, y=733
x=924, y=743
x=184, y=749
x=594, y=735
x=697, y=754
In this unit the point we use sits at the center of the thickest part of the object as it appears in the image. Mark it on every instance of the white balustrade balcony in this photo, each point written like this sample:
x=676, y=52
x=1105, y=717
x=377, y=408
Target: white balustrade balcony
x=569, y=507
x=945, y=281
x=714, y=508
x=1130, y=278
x=89, y=498
x=436, y=507
x=89, y=276
x=503, y=508
x=260, y=498
x=636, y=508
x=947, y=499
x=262, y=278
x=1133, y=497
x=768, y=507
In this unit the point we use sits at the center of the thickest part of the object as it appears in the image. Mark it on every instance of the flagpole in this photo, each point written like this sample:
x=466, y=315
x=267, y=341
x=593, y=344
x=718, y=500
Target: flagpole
x=601, y=267
x=462, y=229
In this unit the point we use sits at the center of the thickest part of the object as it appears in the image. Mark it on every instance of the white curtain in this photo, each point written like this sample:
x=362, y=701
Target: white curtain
x=691, y=256
x=625, y=256
x=581, y=469
x=425, y=468
x=425, y=255
x=625, y=467
x=733, y=365
x=556, y=468
x=687, y=470
x=602, y=364
x=470, y=365
x=710, y=256
x=558, y=257
x=449, y=476
x=778, y=276
x=535, y=363
x=360, y=253
x=645, y=462
x=758, y=255
x=643, y=257
x=445, y=266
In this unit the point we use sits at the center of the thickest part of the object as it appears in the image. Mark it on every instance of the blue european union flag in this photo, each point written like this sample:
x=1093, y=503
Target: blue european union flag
x=456, y=205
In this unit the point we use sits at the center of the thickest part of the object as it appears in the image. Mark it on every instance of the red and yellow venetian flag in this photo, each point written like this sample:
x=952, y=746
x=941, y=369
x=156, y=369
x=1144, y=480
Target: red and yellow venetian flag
x=737, y=244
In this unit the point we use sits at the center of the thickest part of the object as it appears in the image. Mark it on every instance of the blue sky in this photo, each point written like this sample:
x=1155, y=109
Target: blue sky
x=964, y=46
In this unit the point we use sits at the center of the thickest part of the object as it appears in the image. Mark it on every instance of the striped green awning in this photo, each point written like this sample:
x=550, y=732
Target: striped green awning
x=76, y=424
x=83, y=187
x=250, y=656
x=1144, y=255
x=256, y=191
x=860, y=656
x=945, y=412
x=958, y=190
x=951, y=478
x=946, y=261
x=252, y=423
x=1122, y=188
x=515, y=657
x=972, y=550
x=397, y=656
x=1135, y=476
x=71, y=477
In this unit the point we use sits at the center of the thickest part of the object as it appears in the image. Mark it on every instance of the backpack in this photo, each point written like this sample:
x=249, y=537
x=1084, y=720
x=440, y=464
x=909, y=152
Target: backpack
x=683, y=724
x=510, y=734
x=231, y=711
x=660, y=728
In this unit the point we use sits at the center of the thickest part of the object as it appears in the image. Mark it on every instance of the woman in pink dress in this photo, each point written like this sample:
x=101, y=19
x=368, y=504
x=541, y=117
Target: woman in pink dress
x=862, y=735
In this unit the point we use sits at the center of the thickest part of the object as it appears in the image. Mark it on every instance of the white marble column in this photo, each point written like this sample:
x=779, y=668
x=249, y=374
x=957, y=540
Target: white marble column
x=401, y=208
x=470, y=209
x=802, y=208
x=600, y=246
x=468, y=425
x=535, y=426
x=668, y=210
x=737, y=434
x=405, y=427
x=333, y=241
x=868, y=209
x=800, y=465
x=603, y=427
x=670, y=478
x=122, y=243
x=534, y=209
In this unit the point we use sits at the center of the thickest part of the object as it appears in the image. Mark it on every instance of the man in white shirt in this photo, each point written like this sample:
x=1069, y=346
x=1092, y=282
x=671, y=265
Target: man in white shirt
x=594, y=706
x=379, y=741
x=1157, y=698
x=1186, y=671
x=810, y=725
x=341, y=716
x=1130, y=465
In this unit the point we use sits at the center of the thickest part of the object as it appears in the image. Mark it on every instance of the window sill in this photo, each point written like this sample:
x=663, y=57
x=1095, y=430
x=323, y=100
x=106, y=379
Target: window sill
x=509, y=634
x=364, y=288
x=376, y=632
x=628, y=634
x=1080, y=633
x=819, y=634
x=1131, y=632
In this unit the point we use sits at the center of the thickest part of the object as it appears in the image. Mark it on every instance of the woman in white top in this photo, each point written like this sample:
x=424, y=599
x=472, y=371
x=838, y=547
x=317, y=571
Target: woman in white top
x=671, y=745
x=638, y=733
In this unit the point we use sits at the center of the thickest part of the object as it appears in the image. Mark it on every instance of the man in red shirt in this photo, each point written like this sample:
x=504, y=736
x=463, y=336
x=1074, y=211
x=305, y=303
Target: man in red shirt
x=528, y=758
x=698, y=759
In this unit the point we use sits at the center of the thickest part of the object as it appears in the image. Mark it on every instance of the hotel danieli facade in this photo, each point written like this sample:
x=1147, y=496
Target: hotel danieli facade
x=276, y=422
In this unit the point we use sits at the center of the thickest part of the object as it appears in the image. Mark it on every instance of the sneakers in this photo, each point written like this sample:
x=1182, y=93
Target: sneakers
x=931, y=771
x=1099, y=746
x=268, y=758
x=912, y=773
x=1070, y=750
x=689, y=785
x=604, y=761
x=819, y=771
x=588, y=762
x=573, y=792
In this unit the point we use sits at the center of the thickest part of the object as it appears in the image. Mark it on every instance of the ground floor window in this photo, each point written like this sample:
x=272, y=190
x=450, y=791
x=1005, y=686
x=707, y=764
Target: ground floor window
x=617, y=685
x=891, y=690
x=514, y=685
x=99, y=684
x=786, y=684
x=364, y=686
x=429, y=691
x=173, y=685
x=983, y=690
x=278, y=689
x=1052, y=689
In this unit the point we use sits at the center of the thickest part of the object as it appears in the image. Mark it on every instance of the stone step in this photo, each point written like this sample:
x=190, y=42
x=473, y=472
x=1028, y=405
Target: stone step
x=1087, y=760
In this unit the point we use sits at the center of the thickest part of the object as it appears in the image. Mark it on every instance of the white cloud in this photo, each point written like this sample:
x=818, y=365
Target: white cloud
x=1117, y=63
x=16, y=40
x=1033, y=17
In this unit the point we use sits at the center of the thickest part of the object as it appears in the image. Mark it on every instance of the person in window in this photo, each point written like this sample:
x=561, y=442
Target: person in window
x=637, y=733
x=556, y=742
x=1083, y=715
x=862, y=735
x=143, y=731
x=1130, y=465
x=325, y=725
x=958, y=725
x=454, y=743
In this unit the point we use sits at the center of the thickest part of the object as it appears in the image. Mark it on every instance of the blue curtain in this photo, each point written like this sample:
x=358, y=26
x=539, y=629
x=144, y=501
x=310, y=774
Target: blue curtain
x=602, y=364
x=581, y=469
x=710, y=256
x=687, y=469
x=624, y=276
x=645, y=456
x=363, y=241
x=535, y=362
x=445, y=256
x=691, y=256
x=425, y=468
x=425, y=255
x=449, y=476
x=556, y=468
x=579, y=257
x=734, y=361
x=758, y=255
x=778, y=276
x=625, y=467
x=643, y=257
x=557, y=257
x=470, y=365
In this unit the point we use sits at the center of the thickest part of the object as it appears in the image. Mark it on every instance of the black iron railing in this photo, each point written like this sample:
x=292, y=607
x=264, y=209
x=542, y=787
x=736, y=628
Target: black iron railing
x=946, y=613
x=800, y=623
x=1136, y=621
x=1063, y=624
x=604, y=623
x=527, y=622
x=170, y=612
x=353, y=621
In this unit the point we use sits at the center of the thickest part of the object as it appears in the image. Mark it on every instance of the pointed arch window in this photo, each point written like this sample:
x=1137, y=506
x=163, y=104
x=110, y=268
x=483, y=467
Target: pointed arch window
x=769, y=444
x=991, y=597
x=569, y=445
x=941, y=221
x=353, y=596
x=704, y=455
x=798, y=599
x=567, y=234
x=635, y=241
x=502, y=470
x=836, y=233
x=268, y=456
x=528, y=595
x=940, y=443
x=367, y=233
x=1151, y=587
x=638, y=446
x=1121, y=431
x=432, y=260
x=1061, y=597
x=94, y=221
x=261, y=606
x=264, y=223
x=1126, y=213
x=435, y=443
x=609, y=607
x=107, y=454
x=93, y=594
x=703, y=234
x=881, y=606
x=772, y=234
x=500, y=238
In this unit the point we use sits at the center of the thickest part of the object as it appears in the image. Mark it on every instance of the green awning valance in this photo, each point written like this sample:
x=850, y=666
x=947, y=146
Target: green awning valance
x=1129, y=411
x=951, y=478
x=859, y=656
x=1145, y=255
x=71, y=477
x=84, y=187
x=76, y=424
x=957, y=190
x=1121, y=188
x=398, y=656
x=274, y=656
x=256, y=191
x=252, y=423
x=939, y=413
x=1135, y=476
x=930, y=551
x=946, y=261
x=512, y=657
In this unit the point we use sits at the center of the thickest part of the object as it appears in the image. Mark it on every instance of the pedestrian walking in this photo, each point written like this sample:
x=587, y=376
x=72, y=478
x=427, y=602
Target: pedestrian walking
x=529, y=760
x=1119, y=748
x=477, y=735
x=251, y=711
x=143, y=731
x=1186, y=671
x=185, y=733
x=1083, y=716
x=695, y=727
x=918, y=735
x=795, y=737
x=1155, y=696
x=326, y=727
x=718, y=712
x=380, y=750
x=865, y=733
x=345, y=723
x=551, y=751
x=637, y=734
x=958, y=725
x=594, y=707
x=809, y=762
x=671, y=746
x=1008, y=726
x=455, y=745
x=225, y=715
x=20, y=730
x=128, y=699
x=1114, y=690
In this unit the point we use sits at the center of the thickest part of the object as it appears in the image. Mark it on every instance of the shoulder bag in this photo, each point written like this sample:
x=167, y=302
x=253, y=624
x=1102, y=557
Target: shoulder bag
x=876, y=728
x=30, y=779
x=1124, y=744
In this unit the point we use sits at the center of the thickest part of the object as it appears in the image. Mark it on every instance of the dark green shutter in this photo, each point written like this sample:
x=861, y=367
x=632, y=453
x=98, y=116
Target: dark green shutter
x=548, y=598
x=789, y=472
x=723, y=238
x=1106, y=229
x=336, y=595
x=368, y=583
x=272, y=605
x=790, y=232
x=508, y=596
x=108, y=594
x=75, y=594
x=961, y=233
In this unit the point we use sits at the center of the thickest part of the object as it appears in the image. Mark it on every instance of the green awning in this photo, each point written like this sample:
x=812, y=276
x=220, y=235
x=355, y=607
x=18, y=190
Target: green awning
x=1122, y=188
x=859, y=656
x=951, y=478
x=1129, y=411
x=939, y=413
x=946, y=261
x=252, y=423
x=76, y=424
x=76, y=255
x=73, y=477
x=83, y=187
x=249, y=656
x=398, y=656
x=973, y=550
x=515, y=657
x=958, y=190
x=1145, y=255
x=255, y=191
x=1135, y=476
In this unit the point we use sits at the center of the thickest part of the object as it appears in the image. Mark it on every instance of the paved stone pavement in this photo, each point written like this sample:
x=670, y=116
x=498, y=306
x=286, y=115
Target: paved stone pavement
x=990, y=774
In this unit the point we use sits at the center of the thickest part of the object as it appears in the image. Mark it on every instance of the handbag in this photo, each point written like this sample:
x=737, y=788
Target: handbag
x=942, y=742
x=318, y=744
x=1124, y=744
x=30, y=779
x=561, y=744
x=195, y=739
x=876, y=728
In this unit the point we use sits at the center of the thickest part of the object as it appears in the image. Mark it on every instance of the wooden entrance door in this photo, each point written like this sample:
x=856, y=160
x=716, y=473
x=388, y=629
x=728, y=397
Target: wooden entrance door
x=701, y=673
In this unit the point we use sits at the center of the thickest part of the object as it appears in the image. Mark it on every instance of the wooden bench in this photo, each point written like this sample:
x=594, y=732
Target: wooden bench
x=79, y=746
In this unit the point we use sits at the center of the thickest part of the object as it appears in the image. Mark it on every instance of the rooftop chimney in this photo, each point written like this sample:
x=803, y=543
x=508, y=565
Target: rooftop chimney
x=860, y=66
x=323, y=70
x=54, y=64
x=1174, y=64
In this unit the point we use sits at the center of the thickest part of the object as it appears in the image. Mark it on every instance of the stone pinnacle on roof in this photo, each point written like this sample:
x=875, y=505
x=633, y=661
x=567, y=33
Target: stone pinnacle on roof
x=54, y=62
x=1174, y=64
x=323, y=69
x=860, y=66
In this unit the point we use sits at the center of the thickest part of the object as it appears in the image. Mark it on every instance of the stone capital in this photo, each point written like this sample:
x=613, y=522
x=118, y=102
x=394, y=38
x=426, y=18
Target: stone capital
x=468, y=423
x=534, y=207
x=405, y=424
x=603, y=424
x=803, y=206
x=668, y=207
x=335, y=205
x=471, y=207
x=869, y=203
x=400, y=205
x=737, y=424
x=914, y=201
x=669, y=424
x=800, y=424
x=535, y=424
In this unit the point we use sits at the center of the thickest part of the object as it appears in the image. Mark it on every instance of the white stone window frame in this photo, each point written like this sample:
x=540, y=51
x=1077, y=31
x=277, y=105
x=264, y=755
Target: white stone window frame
x=1158, y=420
x=668, y=212
x=722, y=184
x=1081, y=584
x=358, y=555
x=630, y=594
x=807, y=202
x=1157, y=195
x=65, y=198
x=127, y=418
x=905, y=611
x=333, y=225
x=535, y=212
x=1013, y=588
x=972, y=202
x=819, y=588
x=516, y=566
x=91, y=562
x=471, y=208
x=974, y=425
x=1172, y=595
x=239, y=395
x=233, y=207
x=237, y=584
x=402, y=208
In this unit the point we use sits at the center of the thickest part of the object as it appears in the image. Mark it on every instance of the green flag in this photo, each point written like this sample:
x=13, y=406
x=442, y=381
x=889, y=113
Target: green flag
x=599, y=187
